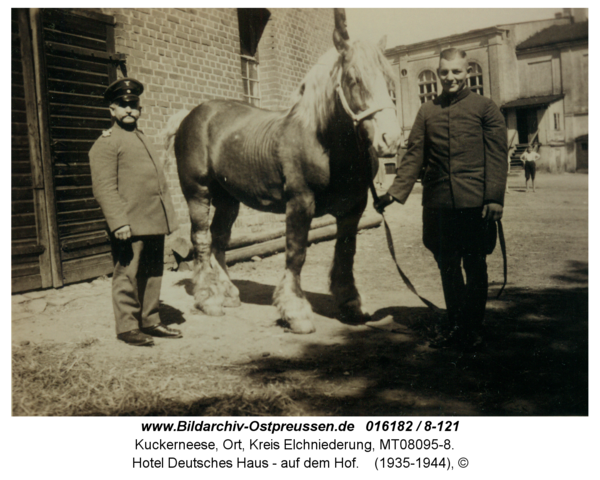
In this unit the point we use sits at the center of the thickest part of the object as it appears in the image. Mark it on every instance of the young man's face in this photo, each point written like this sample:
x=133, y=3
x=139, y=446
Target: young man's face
x=453, y=74
x=126, y=113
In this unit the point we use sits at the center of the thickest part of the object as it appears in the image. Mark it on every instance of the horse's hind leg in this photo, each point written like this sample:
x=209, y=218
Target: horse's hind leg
x=209, y=294
x=288, y=297
x=342, y=284
x=226, y=211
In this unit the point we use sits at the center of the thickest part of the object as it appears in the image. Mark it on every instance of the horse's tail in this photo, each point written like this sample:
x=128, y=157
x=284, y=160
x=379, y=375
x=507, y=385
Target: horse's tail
x=168, y=133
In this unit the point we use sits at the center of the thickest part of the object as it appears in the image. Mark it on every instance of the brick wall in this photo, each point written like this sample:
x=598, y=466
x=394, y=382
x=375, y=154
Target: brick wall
x=291, y=44
x=187, y=56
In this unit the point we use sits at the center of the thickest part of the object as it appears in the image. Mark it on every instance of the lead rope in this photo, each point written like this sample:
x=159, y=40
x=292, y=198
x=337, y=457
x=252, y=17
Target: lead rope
x=407, y=282
x=390, y=244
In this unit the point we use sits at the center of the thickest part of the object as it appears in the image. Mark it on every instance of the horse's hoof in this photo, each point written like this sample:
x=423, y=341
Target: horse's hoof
x=353, y=315
x=211, y=310
x=232, y=302
x=302, y=326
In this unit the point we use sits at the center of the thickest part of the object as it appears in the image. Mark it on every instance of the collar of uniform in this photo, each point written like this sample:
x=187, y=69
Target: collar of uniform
x=449, y=99
x=135, y=130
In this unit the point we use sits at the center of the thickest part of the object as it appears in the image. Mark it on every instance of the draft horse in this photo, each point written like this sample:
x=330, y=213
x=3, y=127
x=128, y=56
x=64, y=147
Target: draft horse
x=313, y=159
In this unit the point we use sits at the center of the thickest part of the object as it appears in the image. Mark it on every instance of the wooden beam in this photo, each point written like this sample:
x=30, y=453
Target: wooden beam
x=86, y=52
x=23, y=284
x=46, y=152
x=101, y=17
x=27, y=249
x=253, y=238
x=278, y=245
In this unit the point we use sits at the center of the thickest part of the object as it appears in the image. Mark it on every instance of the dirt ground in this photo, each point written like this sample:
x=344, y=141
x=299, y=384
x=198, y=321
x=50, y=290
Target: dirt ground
x=534, y=360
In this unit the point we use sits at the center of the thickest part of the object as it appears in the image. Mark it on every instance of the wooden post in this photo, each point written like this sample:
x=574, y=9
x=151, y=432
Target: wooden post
x=46, y=152
x=37, y=177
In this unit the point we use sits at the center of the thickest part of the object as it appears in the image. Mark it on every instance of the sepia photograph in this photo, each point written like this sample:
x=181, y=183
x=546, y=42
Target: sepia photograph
x=299, y=212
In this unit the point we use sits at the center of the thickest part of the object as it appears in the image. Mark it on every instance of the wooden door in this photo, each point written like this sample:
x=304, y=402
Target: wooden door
x=78, y=63
x=62, y=61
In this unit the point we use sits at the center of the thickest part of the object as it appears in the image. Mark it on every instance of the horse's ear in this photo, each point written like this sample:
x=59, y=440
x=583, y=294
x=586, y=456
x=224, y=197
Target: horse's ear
x=340, y=34
x=339, y=42
x=382, y=43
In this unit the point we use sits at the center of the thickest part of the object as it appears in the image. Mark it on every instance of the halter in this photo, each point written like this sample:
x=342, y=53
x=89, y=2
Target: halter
x=356, y=118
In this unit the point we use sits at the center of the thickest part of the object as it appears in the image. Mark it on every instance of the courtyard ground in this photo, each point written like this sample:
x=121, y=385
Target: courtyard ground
x=67, y=361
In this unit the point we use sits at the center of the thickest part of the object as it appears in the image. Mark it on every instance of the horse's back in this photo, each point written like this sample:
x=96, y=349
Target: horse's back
x=236, y=145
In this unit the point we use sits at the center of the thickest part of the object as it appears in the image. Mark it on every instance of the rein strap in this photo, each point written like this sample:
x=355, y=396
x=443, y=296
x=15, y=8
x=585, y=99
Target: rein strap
x=390, y=244
x=362, y=115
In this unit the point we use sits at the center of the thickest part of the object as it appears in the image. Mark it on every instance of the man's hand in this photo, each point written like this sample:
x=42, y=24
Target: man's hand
x=492, y=212
x=123, y=233
x=383, y=202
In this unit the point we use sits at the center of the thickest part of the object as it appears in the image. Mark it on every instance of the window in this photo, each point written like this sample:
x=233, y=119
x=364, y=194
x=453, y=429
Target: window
x=250, y=80
x=252, y=22
x=427, y=86
x=557, y=121
x=476, y=78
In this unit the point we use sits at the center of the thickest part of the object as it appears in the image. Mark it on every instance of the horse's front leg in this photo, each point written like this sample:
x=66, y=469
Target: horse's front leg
x=342, y=284
x=209, y=294
x=226, y=211
x=288, y=297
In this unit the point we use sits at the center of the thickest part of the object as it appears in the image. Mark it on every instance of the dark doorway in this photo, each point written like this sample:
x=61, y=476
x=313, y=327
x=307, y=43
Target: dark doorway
x=582, y=153
x=527, y=124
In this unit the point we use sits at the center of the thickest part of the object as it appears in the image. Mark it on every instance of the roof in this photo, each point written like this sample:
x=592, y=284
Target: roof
x=445, y=40
x=556, y=34
x=533, y=101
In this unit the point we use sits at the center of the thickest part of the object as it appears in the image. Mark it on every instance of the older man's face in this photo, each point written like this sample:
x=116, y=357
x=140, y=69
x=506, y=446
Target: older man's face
x=453, y=74
x=126, y=113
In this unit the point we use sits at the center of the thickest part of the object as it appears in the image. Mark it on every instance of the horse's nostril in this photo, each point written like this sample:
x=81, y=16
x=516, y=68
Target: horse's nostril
x=383, y=137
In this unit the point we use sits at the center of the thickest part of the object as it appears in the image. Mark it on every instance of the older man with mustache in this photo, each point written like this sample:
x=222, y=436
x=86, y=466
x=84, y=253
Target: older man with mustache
x=130, y=186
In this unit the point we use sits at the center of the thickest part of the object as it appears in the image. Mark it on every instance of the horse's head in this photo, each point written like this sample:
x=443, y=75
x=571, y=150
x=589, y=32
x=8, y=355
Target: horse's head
x=364, y=86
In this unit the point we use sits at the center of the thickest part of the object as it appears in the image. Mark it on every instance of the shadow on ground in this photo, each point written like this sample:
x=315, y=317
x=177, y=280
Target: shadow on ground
x=170, y=315
x=534, y=361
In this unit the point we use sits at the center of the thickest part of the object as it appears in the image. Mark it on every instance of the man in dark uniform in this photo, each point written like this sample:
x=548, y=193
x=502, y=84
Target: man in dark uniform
x=460, y=138
x=130, y=186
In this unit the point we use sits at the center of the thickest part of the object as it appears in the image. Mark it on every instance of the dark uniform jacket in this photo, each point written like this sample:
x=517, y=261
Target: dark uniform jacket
x=463, y=144
x=129, y=183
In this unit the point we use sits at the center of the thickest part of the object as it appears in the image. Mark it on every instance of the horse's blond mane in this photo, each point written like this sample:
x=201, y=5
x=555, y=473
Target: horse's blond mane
x=314, y=100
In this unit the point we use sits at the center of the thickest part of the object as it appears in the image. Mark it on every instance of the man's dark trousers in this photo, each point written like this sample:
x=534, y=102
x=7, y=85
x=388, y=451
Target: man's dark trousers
x=455, y=236
x=137, y=280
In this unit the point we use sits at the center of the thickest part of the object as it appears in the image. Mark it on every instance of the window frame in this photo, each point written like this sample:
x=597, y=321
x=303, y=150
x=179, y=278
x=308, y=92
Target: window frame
x=477, y=76
x=426, y=96
x=557, y=121
x=247, y=81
